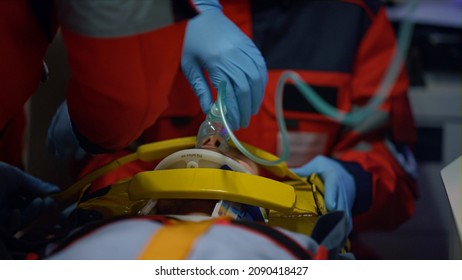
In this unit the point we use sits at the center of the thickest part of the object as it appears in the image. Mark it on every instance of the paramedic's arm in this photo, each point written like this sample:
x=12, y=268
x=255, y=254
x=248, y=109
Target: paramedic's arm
x=113, y=98
x=214, y=44
x=380, y=145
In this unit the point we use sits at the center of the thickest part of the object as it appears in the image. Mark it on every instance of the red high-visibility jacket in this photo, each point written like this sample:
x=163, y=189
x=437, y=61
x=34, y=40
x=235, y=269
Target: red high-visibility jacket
x=152, y=237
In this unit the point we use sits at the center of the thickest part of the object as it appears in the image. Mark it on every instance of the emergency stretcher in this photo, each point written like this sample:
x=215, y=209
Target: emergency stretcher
x=292, y=202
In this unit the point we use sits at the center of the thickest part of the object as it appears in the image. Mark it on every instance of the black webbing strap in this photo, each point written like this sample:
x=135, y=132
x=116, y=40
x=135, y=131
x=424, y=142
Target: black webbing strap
x=278, y=237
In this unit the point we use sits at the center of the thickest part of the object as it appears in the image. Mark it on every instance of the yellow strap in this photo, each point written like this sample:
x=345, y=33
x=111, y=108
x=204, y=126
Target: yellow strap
x=206, y=183
x=174, y=242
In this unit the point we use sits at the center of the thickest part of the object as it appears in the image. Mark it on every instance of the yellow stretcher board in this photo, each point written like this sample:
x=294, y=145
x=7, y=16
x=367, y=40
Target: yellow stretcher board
x=292, y=202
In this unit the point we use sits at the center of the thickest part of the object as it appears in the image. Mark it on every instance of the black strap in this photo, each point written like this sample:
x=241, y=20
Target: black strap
x=278, y=237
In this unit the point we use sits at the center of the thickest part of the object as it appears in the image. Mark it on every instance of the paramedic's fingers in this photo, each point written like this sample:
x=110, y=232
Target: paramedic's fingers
x=61, y=141
x=198, y=82
x=339, y=184
x=340, y=192
x=215, y=45
x=22, y=197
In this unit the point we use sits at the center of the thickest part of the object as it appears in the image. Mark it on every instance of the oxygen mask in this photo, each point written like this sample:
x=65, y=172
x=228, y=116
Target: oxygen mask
x=215, y=129
x=212, y=132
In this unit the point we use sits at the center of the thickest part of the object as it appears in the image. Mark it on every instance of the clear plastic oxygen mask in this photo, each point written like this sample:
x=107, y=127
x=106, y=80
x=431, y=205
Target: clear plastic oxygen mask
x=215, y=131
x=212, y=130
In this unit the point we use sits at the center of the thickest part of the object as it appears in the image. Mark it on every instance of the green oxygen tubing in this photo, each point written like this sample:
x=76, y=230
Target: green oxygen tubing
x=347, y=118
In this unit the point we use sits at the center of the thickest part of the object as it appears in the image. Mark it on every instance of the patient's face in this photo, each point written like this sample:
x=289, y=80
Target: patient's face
x=203, y=206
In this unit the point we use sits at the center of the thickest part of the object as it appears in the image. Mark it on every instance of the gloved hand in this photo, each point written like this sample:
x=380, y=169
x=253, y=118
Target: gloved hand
x=61, y=141
x=22, y=198
x=212, y=42
x=339, y=185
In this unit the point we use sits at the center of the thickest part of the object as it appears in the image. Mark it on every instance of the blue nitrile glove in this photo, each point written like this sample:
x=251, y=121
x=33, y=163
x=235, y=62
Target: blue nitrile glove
x=339, y=185
x=214, y=44
x=22, y=198
x=61, y=141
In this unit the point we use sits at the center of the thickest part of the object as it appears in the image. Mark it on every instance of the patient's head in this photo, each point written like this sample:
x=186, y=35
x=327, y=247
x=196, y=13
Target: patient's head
x=206, y=156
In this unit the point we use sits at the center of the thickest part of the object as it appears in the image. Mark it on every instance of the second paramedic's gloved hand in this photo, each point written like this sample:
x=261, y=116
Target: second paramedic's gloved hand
x=214, y=44
x=22, y=198
x=61, y=140
x=339, y=185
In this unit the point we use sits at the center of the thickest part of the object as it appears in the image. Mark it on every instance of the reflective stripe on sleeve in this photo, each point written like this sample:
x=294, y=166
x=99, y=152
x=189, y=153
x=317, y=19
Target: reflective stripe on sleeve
x=113, y=18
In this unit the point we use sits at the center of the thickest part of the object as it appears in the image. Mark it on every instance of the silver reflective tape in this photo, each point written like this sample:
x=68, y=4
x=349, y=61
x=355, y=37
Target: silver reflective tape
x=113, y=18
